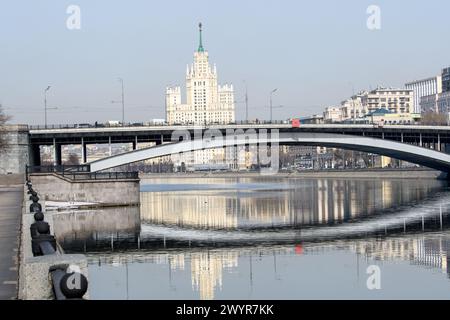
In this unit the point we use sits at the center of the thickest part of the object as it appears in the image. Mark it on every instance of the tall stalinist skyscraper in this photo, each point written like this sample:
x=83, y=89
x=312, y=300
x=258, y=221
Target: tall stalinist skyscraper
x=207, y=102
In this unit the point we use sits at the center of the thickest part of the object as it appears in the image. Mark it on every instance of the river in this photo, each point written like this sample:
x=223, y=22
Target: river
x=269, y=238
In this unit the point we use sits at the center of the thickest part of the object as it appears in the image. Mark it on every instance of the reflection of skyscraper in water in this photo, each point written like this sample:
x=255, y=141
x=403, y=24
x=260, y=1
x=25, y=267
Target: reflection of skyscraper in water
x=271, y=209
x=211, y=210
x=207, y=271
x=208, y=211
x=338, y=195
x=322, y=200
x=386, y=190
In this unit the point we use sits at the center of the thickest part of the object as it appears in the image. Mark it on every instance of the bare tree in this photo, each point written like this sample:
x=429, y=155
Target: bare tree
x=345, y=157
x=433, y=119
x=286, y=157
x=366, y=158
x=3, y=119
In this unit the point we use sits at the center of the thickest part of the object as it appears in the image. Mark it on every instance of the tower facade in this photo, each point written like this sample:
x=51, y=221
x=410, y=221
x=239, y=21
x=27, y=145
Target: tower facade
x=206, y=101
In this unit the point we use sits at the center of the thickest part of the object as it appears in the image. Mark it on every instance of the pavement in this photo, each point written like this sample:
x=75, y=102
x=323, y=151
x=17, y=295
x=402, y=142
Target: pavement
x=11, y=198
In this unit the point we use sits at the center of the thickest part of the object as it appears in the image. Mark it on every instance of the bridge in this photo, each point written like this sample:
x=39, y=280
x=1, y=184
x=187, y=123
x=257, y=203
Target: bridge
x=422, y=145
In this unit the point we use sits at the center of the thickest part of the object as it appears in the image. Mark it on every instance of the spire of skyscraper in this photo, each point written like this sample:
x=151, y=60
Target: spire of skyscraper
x=200, y=46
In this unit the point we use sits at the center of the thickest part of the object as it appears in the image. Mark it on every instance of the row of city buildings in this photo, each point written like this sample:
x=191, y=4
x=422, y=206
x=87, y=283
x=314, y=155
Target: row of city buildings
x=207, y=103
x=396, y=106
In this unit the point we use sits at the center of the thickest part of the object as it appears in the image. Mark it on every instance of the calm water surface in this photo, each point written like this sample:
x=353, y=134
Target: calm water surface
x=268, y=238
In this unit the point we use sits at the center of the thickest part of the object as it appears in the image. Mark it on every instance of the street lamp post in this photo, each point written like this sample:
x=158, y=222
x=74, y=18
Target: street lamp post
x=271, y=106
x=121, y=101
x=353, y=103
x=45, y=105
x=246, y=102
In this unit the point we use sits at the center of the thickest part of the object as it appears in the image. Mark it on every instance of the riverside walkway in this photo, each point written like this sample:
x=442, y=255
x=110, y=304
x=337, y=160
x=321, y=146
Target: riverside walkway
x=11, y=198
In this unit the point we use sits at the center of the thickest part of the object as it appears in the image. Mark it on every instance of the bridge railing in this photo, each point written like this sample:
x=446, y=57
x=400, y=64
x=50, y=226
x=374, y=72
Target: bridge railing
x=81, y=172
x=206, y=125
x=58, y=168
x=102, y=176
x=142, y=124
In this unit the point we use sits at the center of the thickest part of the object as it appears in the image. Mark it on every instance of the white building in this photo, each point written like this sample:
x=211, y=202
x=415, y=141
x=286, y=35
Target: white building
x=353, y=108
x=207, y=102
x=332, y=115
x=394, y=100
x=425, y=87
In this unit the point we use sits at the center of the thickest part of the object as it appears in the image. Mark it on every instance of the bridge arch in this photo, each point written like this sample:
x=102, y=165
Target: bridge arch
x=426, y=157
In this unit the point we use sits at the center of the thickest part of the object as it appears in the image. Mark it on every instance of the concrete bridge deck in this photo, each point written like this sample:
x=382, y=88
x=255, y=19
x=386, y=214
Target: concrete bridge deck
x=11, y=199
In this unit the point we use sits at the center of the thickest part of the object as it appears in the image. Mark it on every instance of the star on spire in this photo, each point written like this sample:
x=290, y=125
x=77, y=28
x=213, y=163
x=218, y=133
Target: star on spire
x=200, y=46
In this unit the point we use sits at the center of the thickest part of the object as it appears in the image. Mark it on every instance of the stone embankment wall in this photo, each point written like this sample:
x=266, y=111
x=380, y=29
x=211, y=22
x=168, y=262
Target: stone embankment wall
x=54, y=187
x=15, y=155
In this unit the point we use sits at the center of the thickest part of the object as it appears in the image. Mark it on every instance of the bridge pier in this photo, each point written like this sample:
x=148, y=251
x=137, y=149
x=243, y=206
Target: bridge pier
x=135, y=142
x=57, y=154
x=83, y=151
x=35, y=155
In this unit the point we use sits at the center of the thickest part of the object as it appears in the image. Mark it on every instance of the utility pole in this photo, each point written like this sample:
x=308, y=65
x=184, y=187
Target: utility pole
x=271, y=107
x=353, y=103
x=45, y=105
x=121, y=101
x=246, y=102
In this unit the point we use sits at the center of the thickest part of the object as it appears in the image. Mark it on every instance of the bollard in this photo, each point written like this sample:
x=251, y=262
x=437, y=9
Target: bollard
x=46, y=248
x=67, y=285
x=40, y=250
x=56, y=274
x=35, y=207
x=39, y=216
x=38, y=228
x=42, y=242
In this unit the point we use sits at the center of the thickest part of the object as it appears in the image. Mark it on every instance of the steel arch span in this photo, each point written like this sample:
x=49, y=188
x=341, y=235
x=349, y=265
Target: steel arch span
x=422, y=156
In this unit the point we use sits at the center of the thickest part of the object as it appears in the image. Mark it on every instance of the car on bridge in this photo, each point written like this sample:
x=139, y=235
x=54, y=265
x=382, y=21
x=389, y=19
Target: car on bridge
x=112, y=123
x=83, y=125
x=378, y=124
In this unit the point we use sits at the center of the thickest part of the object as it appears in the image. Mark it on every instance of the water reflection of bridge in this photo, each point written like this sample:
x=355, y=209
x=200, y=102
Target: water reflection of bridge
x=302, y=202
x=208, y=266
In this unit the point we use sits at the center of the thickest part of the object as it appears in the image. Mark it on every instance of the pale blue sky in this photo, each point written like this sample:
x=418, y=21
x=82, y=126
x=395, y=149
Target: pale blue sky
x=312, y=51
